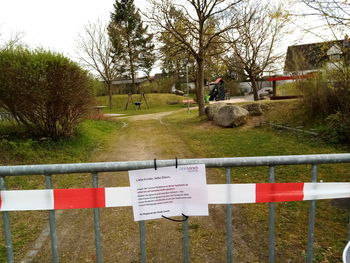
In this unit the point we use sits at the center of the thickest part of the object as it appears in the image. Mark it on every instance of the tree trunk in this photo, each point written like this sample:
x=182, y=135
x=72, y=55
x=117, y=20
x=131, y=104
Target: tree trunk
x=132, y=71
x=255, y=88
x=200, y=73
x=110, y=95
x=132, y=68
x=200, y=87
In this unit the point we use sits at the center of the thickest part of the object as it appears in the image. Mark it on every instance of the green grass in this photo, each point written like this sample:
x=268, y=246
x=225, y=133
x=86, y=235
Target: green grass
x=291, y=217
x=203, y=140
x=16, y=148
x=288, y=89
x=158, y=102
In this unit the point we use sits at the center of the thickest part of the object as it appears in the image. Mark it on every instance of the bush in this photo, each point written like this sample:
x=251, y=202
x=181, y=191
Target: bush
x=46, y=92
x=326, y=98
x=321, y=98
x=337, y=129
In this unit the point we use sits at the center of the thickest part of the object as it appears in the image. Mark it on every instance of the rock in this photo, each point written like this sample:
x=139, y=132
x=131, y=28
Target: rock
x=254, y=109
x=212, y=109
x=229, y=116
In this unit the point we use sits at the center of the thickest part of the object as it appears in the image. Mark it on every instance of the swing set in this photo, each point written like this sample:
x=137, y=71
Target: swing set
x=137, y=104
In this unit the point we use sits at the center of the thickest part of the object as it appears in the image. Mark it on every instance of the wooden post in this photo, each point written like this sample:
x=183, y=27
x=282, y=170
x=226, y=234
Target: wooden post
x=144, y=97
x=127, y=103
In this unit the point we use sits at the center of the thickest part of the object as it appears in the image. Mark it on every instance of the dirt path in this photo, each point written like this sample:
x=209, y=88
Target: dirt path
x=152, y=116
x=143, y=138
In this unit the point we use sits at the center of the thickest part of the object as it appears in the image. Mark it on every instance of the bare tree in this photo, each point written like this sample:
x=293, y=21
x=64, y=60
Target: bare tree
x=95, y=51
x=195, y=35
x=13, y=41
x=336, y=13
x=253, y=43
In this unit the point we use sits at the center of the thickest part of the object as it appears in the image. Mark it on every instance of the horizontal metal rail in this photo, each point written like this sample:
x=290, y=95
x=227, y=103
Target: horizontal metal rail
x=228, y=163
x=209, y=162
x=290, y=128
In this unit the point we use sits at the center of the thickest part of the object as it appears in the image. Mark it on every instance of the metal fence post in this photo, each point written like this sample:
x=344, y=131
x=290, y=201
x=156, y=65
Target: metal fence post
x=97, y=227
x=348, y=227
x=142, y=229
x=229, y=235
x=7, y=227
x=272, y=207
x=312, y=215
x=185, y=241
x=52, y=223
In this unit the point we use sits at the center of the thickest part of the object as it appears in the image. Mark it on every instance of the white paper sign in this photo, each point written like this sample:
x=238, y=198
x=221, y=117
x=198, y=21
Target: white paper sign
x=169, y=191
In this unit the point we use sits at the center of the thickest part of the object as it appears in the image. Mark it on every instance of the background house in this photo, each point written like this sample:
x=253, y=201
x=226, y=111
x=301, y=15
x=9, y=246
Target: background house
x=125, y=85
x=308, y=58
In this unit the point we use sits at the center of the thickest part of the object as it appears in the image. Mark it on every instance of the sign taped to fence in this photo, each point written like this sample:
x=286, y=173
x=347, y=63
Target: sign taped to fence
x=169, y=191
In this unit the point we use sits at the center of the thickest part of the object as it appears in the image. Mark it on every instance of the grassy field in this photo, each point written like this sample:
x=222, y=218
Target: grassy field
x=201, y=139
x=292, y=217
x=158, y=102
x=17, y=148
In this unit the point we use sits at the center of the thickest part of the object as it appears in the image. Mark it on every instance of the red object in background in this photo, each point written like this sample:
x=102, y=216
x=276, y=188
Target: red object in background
x=307, y=76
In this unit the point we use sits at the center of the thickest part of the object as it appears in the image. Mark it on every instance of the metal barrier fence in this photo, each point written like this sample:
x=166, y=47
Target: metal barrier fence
x=227, y=163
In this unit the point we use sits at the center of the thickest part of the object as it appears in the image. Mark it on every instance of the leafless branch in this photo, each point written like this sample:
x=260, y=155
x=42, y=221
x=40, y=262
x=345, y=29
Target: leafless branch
x=253, y=43
x=95, y=52
x=15, y=40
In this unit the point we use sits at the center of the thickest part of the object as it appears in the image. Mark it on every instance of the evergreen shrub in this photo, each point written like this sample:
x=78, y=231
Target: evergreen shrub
x=46, y=92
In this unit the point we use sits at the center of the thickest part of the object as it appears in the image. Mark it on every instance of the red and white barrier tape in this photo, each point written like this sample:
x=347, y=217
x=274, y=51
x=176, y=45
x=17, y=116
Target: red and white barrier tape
x=20, y=200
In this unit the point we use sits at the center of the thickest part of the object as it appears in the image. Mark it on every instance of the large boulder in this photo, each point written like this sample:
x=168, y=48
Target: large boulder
x=230, y=116
x=254, y=109
x=212, y=109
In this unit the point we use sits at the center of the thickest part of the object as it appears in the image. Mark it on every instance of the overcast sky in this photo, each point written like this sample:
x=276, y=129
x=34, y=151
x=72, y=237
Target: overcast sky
x=52, y=24
x=55, y=24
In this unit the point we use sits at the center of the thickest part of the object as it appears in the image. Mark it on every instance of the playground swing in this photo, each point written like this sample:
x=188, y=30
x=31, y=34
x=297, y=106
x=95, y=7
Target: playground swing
x=137, y=104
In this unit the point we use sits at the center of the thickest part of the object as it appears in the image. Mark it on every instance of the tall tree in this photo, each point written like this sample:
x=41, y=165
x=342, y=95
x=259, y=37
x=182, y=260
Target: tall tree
x=195, y=35
x=95, y=51
x=253, y=43
x=174, y=60
x=132, y=44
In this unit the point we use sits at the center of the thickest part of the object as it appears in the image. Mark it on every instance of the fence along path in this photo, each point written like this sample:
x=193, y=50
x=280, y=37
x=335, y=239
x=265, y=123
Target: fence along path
x=120, y=236
x=246, y=193
x=59, y=199
x=119, y=232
